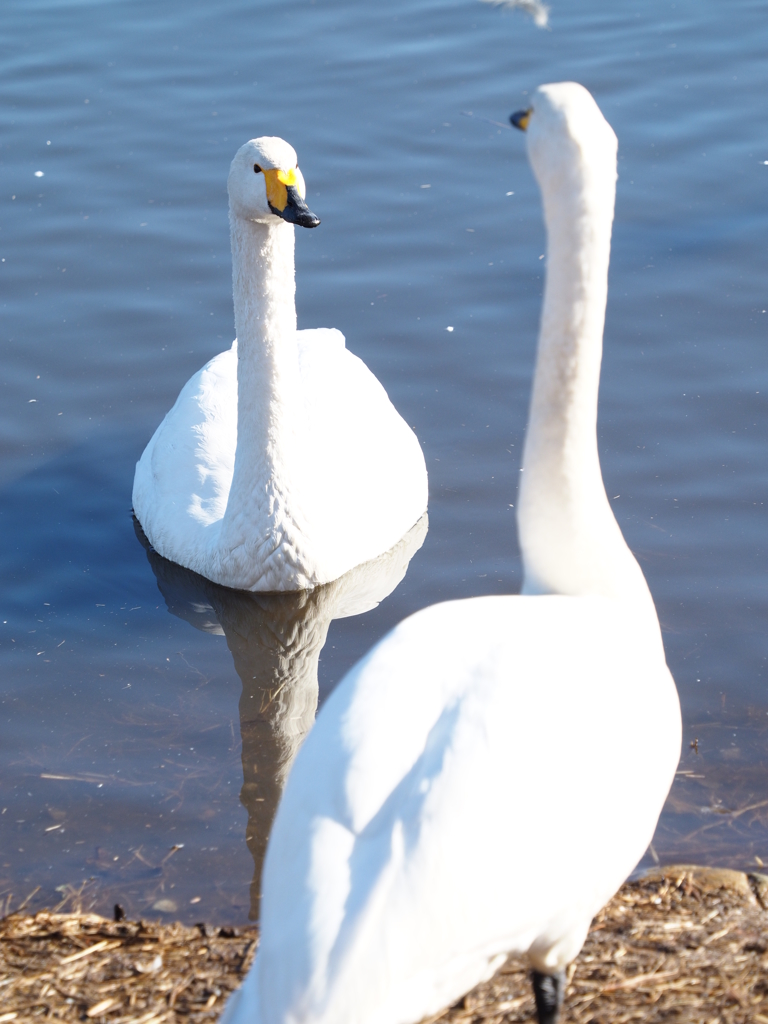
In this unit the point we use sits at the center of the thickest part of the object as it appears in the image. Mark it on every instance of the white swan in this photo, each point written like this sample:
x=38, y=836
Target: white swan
x=283, y=464
x=487, y=776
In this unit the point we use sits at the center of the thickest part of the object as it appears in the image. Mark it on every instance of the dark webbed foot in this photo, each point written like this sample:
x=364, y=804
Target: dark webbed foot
x=548, y=991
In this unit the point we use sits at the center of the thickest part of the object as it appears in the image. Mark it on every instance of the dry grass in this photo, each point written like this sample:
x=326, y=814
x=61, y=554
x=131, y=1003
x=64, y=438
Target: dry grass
x=82, y=967
x=682, y=946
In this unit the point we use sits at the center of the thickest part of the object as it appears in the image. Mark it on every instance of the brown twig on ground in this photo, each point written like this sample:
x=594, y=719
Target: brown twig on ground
x=684, y=945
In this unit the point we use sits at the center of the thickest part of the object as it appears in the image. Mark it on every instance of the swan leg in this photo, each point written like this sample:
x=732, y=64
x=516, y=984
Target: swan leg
x=548, y=991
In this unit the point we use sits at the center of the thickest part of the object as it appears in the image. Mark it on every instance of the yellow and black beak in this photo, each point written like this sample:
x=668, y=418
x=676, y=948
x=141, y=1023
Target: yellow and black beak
x=521, y=118
x=285, y=195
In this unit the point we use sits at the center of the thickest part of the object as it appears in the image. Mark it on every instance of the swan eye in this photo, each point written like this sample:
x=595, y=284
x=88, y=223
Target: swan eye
x=256, y=169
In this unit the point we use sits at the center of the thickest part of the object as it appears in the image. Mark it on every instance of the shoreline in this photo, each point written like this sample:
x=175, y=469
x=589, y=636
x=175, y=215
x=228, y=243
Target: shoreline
x=682, y=943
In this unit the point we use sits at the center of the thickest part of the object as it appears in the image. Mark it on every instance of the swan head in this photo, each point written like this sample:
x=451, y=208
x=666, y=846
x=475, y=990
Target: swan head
x=567, y=136
x=265, y=184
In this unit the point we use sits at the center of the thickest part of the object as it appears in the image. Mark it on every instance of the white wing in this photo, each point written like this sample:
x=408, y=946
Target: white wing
x=403, y=860
x=368, y=481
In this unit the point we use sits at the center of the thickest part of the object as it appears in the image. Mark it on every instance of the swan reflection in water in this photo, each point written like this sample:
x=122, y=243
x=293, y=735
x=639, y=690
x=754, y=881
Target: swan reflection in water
x=275, y=641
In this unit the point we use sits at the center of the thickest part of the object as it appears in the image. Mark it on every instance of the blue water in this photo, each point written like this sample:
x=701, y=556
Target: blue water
x=116, y=288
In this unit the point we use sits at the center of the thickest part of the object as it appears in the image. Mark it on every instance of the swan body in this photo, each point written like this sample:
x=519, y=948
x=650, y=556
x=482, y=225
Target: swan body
x=486, y=777
x=282, y=464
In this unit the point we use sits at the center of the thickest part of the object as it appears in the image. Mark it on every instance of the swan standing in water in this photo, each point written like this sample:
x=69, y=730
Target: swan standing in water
x=488, y=775
x=283, y=464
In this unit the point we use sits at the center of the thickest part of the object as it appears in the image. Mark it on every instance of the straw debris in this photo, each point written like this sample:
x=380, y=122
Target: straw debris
x=82, y=967
x=683, y=945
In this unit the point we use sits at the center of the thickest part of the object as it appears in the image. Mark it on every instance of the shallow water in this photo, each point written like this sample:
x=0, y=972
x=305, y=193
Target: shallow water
x=120, y=724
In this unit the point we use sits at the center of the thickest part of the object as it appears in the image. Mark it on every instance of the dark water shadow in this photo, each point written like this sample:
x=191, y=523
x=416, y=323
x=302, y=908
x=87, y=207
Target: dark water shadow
x=275, y=641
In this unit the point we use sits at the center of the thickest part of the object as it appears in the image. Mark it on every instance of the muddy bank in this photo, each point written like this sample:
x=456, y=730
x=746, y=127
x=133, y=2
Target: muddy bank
x=684, y=944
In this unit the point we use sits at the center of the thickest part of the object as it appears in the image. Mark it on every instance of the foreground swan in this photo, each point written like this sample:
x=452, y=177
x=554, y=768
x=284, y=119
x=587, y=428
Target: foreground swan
x=487, y=776
x=283, y=464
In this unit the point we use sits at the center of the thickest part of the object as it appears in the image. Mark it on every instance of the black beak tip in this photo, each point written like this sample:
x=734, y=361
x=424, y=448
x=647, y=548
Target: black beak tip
x=519, y=119
x=296, y=211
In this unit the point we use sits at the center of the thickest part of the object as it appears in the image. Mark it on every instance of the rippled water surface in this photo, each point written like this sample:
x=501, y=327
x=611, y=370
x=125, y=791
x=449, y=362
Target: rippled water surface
x=138, y=702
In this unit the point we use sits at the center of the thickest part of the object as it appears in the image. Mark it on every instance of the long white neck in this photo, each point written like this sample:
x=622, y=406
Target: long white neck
x=571, y=542
x=268, y=461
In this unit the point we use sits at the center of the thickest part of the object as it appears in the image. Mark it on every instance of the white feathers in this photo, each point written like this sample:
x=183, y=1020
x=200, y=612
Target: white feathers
x=425, y=822
x=283, y=464
x=535, y=8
